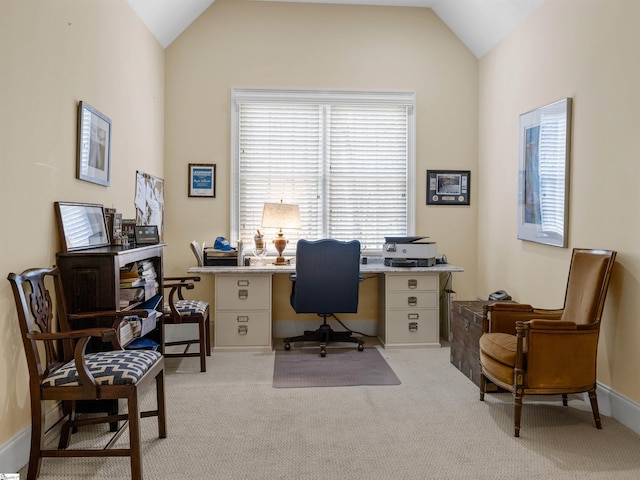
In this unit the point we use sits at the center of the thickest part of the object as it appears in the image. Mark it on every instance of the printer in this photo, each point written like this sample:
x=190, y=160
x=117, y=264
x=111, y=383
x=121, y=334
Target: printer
x=409, y=252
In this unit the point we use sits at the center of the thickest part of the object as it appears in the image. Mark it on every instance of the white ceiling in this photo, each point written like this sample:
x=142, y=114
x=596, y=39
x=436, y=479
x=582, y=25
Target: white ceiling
x=480, y=24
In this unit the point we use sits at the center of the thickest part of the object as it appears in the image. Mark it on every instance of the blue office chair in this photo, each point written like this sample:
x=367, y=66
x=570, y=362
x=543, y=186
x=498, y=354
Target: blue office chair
x=326, y=282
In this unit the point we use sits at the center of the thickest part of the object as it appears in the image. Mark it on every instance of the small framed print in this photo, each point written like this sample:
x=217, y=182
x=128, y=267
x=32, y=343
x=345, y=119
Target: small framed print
x=202, y=180
x=448, y=187
x=146, y=234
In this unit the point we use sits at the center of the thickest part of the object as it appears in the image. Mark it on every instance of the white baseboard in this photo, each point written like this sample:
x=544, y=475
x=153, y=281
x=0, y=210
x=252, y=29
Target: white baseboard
x=14, y=454
x=617, y=406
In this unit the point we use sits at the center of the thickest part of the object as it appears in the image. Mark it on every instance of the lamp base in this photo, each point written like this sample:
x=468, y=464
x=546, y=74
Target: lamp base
x=280, y=243
x=280, y=261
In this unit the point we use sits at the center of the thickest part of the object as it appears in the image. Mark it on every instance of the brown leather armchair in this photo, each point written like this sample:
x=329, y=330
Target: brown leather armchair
x=527, y=350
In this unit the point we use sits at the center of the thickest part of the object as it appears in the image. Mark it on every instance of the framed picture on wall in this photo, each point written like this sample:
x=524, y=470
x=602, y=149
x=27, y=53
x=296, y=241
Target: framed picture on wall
x=448, y=187
x=202, y=180
x=94, y=145
x=543, y=182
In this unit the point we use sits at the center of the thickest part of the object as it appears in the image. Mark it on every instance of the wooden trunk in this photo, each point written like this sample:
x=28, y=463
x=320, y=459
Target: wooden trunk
x=466, y=328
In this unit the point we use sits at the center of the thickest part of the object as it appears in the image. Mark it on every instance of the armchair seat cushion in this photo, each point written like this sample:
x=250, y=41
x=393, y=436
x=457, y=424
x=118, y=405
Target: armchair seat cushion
x=189, y=307
x=118, y=367
x=501, y=347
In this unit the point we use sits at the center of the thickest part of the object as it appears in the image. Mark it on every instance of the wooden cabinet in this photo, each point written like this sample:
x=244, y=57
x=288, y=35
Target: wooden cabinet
x=243, y=312
x=409, y=309
x=91, y=278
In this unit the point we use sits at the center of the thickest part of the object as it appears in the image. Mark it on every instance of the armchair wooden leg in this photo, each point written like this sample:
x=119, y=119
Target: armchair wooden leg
x=69, y=411
x=134, y=436
x=203, y=342
x=517, y=414
x=483, y=386
x=208, y=337
x=594, y=408
x=160, y=399
x=565, y=399
x=37, y=429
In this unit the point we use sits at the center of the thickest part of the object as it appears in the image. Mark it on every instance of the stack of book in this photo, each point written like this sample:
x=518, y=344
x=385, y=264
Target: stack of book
x=147, y=271
x=132, y=288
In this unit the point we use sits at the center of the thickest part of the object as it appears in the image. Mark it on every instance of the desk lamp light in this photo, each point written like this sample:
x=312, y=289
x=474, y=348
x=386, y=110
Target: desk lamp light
x=280, y=215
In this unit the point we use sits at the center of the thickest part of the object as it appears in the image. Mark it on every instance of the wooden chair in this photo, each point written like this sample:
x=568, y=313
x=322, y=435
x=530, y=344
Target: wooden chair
x=68, y=374
x=179, y=311
x=533, y=351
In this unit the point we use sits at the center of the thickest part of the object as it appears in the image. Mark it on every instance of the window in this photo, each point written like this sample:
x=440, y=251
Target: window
x=346, y=158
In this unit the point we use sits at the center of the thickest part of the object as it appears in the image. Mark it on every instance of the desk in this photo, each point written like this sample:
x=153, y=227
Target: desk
x=408, y=305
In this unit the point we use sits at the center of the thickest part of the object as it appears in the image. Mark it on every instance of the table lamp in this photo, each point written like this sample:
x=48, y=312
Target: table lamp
x=280, y=215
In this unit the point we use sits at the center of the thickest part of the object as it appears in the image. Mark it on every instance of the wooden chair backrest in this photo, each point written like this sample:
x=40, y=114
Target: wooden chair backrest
x=37, y=313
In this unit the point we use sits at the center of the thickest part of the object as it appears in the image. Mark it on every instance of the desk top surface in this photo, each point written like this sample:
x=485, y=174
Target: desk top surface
x=366, y=268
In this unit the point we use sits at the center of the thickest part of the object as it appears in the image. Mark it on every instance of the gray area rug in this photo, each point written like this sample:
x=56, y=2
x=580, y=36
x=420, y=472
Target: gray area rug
x=341, y=367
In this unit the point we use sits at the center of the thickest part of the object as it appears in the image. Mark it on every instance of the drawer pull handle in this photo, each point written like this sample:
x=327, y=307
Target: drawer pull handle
x=243, y=329
x=412, y=301
x=412, y=283
x=413, y=316
x=243, y=294
x=467, y=326
x=243, y=283
x=413, y=326
x=243, y=318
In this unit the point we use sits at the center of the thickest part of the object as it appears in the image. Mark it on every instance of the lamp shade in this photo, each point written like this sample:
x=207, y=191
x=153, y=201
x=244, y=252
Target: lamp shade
x=281, y=215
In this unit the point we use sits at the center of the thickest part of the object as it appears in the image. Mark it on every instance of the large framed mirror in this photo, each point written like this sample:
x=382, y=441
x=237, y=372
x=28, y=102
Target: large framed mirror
x=81, y=225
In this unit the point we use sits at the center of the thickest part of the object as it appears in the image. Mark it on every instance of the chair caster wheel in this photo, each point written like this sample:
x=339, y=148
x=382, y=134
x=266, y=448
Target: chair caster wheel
x=323, y=353
x=287, y=346
x=360, y=347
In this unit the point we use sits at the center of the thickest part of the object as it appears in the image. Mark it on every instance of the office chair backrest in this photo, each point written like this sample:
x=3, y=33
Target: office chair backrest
x=327, y=276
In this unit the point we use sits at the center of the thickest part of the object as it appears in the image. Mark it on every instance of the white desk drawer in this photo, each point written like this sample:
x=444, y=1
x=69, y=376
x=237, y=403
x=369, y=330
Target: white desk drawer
x=411, y=282
x=243, y=292
x=248, y=329
x=412, y=326
x=417, y=299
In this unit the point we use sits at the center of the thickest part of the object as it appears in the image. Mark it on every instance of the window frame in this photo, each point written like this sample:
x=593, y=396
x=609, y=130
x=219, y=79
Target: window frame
x=335, y=97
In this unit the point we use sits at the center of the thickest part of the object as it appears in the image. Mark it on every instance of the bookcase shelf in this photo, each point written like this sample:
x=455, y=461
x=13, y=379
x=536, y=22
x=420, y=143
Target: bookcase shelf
x=91, y=278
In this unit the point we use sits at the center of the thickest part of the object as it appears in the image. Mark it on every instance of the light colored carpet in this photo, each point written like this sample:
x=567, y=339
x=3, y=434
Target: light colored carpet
x=303, y=368
x=230, y=423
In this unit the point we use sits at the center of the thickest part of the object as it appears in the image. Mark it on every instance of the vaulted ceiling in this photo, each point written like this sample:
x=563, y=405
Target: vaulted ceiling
x=480, y=24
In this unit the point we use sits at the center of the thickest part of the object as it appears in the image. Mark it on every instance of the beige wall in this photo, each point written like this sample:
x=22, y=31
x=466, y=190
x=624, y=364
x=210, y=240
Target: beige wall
x=586, y=50
x=52, y=55
x=239, y=43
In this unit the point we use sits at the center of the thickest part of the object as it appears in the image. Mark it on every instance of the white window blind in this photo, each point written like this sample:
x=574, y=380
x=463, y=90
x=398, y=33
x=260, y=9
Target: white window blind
x=345, y=158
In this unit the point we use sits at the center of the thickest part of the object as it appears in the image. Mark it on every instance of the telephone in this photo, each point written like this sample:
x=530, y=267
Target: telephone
x=499, y=296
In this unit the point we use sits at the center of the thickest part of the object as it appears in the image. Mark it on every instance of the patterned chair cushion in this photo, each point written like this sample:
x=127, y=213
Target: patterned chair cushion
x=189, y=307
x=116, y=367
